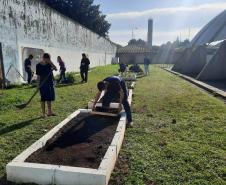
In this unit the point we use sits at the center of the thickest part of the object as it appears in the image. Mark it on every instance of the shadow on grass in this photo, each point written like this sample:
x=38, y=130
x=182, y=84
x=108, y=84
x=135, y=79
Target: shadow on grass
x=16, y=126
x=2, y=124
x=29, y=87
x=3, y=181
x=67, y=85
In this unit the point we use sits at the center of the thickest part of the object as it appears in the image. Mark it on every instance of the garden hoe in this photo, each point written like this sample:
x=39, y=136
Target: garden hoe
x=22, y=106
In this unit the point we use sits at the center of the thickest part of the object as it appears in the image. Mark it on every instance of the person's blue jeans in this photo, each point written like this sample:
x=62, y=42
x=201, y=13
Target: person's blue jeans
x=29, y=76
x=109, y=97
x=146, y=69
x=127, y=109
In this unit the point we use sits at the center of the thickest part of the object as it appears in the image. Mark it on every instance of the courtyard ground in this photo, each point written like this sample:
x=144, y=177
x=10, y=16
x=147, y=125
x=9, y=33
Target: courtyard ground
x=20, y=128
x=179, y=134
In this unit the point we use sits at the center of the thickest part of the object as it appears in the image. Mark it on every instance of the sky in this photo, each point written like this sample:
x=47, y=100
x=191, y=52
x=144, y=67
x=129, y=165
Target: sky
x=172, y=18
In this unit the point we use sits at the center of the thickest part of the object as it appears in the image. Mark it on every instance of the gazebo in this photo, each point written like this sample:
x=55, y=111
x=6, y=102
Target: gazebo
x=132, y=54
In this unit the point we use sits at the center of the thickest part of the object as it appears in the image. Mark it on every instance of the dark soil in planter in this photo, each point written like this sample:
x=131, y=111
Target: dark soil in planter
x=83, y=142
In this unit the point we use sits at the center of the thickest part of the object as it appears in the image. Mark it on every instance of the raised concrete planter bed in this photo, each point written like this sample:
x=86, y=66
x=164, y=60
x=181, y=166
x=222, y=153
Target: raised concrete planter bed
x=129, y=78
x=132, y=85
x=132, y=77
x=20, y=171
x=114, y=105
x=201, y=84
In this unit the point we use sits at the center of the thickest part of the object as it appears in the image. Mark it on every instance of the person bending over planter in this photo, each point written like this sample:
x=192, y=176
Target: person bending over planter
x=46, y=83
x=115, y=89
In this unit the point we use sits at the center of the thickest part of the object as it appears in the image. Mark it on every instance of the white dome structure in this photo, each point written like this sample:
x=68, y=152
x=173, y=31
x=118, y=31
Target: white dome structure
x=215, y=30
x=200, y=60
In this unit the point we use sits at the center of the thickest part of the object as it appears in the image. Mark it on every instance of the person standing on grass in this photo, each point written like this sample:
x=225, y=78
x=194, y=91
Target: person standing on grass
x=146, y=66
x=44, y=71
x=114, y=88
x=27, y=67
x=84, y=68
x=62, y=69
x=122, y=68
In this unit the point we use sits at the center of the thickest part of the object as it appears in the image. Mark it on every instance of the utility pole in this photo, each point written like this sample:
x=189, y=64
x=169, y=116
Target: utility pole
x=150, y=33
x=189, y=33
x=134, y=28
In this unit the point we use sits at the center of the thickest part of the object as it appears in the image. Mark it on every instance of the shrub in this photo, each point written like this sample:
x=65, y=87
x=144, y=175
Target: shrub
x=70, y=77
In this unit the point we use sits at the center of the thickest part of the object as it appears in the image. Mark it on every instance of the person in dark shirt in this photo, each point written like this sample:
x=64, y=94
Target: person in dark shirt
x=115, y=89
x=122, y=67
x=62, y=69
x=27, y=67
x=146, y=65
x=46, y=83
x=84, y=68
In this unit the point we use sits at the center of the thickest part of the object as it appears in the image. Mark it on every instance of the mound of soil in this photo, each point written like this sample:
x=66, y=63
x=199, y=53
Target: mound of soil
x=83, y=142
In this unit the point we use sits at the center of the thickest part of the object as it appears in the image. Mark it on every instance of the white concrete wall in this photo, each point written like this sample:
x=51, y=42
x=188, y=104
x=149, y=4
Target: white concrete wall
x=31, y=23
x=195, y=63
x=215, y=69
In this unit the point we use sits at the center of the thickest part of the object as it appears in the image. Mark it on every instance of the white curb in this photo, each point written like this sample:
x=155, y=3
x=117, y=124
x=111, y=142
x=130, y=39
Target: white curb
x=20, y=171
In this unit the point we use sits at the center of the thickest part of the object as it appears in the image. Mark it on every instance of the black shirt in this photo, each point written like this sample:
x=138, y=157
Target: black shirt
x=62, y=66
x=44, y=70
x=85, y=64
x=116, y=84
x=27, y=63
x=146, y=61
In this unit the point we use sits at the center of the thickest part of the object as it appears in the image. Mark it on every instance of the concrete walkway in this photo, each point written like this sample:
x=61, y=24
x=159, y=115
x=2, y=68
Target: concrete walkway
x=215, y=91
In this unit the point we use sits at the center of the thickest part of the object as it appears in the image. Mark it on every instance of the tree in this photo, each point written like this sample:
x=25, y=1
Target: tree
x=176, y=44
x=138, y=42
x=83, y=12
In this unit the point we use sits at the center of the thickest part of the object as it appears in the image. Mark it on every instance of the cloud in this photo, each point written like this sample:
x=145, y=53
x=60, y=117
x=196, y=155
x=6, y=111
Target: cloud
x=159, y=37
x=169, y=22
x=166, y=11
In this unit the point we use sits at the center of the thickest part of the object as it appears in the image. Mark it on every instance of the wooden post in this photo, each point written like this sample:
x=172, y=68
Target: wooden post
x=2, y=72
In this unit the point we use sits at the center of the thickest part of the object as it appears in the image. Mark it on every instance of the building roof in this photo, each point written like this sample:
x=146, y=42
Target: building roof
x=133, y=49
x=215, y=30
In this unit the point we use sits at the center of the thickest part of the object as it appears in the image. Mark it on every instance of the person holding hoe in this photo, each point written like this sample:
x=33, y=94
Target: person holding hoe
x=114, y=89
x=44, y=71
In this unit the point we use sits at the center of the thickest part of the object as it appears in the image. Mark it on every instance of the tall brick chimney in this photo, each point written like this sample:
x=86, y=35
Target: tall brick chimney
x=150, y=33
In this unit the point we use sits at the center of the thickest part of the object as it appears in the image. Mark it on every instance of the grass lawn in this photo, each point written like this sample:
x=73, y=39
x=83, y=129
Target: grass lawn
x=20, y=128
x=179, y=134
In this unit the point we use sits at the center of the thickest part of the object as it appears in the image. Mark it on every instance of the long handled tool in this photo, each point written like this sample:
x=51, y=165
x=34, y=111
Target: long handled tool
x=22, y=106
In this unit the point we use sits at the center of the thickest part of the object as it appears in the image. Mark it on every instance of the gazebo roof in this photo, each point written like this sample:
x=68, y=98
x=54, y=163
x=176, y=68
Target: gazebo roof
x=133, y=49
